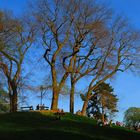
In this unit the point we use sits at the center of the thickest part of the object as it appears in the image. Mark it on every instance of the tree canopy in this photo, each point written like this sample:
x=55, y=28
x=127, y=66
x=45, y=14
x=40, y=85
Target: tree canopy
x=131, y=116
x=103, y=104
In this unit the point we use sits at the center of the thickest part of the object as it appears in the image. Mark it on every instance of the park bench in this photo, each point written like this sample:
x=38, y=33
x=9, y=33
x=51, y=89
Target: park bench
x=43, y=107
x=46, y=107
x=27, y=107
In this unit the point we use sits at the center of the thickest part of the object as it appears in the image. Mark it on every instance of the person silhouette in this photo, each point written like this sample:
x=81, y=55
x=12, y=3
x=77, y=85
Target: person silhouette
x=43, y=106
x=37, y=107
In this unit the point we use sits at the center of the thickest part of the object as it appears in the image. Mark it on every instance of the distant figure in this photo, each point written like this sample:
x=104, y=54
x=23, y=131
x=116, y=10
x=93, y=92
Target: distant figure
x=31, y=107
x=105, y=122
x=58, y=114
x=42, y=107
x=58, y=110
x=118, y=123
x=62, y=111
x=37, y=107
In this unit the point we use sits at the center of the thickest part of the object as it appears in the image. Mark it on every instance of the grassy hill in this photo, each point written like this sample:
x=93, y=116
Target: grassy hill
x=44, y=126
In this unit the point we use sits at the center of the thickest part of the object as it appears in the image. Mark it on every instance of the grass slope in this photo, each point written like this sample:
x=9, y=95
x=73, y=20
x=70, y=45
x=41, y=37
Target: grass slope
x=44, y=126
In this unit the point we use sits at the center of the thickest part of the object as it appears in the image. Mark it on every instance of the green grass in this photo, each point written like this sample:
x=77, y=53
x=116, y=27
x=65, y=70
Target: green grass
x=44, y=126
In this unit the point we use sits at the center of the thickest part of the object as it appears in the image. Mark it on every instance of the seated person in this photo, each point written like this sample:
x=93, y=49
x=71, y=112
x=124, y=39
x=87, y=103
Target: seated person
x=42, y=107
x=37, y=107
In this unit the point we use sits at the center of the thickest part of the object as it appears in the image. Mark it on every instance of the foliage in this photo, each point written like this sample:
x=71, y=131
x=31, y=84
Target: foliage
x=4, y=100
x=104, y=102
x=131, y=116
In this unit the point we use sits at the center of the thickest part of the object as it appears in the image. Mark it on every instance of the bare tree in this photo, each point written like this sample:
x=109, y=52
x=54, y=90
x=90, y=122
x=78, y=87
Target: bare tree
x=65, y=28
x=89, y=32
x=121, y=49
x=81, y=39
x=16, y=37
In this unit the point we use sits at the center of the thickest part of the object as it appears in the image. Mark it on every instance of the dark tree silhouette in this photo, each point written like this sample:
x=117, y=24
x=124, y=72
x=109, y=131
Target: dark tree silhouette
x=103, y=103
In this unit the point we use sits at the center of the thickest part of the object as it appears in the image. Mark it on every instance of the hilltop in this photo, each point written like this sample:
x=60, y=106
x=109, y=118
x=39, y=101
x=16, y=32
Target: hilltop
x=45, y=126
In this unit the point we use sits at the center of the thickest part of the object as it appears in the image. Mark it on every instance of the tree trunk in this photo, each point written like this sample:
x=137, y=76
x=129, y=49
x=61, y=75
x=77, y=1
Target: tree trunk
x=54, y=105
x=14, y=103
x=83, y=112
x=72, y=97
x=10, y=102
x=103, y=117
x=13, y=100
x=13, y=97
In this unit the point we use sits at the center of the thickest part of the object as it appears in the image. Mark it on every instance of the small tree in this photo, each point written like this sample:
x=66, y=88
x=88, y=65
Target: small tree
x=131, y=116
x=104, y=103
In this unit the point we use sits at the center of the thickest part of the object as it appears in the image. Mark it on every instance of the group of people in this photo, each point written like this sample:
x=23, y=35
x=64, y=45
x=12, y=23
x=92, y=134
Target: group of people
x=104, y=123
x=135, y=126
x=40, y=107
x=108, y=123
x=119, y=123
x=59, y=114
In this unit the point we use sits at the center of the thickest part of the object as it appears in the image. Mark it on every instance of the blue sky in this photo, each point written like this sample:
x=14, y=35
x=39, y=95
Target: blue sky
x=126, y=85
x=17, y=6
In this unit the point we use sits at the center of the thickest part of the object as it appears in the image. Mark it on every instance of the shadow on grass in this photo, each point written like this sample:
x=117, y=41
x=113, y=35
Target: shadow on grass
x=45, y=135
x=39, y=125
